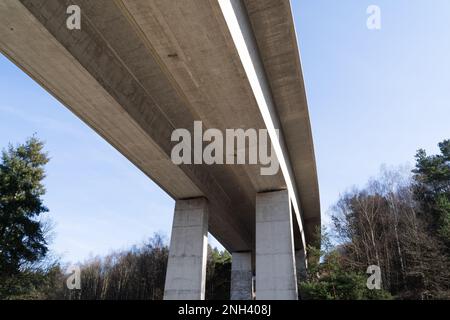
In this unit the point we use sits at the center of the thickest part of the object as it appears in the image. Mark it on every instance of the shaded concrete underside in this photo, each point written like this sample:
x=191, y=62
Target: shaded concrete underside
x=139, y=69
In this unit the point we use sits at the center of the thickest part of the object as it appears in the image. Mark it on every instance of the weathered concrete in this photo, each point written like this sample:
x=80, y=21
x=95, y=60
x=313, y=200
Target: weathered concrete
x=137, y=70
x=241, y=276
x=186, y=268
x=275, y=262
x=274, y=30
x=241, y=31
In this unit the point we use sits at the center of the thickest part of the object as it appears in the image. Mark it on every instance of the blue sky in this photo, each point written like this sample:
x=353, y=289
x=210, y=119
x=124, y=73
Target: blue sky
x=375, y=97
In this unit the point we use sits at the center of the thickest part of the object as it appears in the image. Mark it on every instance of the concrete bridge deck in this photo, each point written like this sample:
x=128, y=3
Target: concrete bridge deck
x=138, y=69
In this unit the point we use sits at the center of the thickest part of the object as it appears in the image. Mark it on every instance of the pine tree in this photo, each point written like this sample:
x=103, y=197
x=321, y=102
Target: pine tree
x=22, y=237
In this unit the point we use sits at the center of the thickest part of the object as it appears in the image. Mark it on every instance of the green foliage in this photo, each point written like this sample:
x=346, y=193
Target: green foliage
x=33, y=284
x=218, y=275
x=341, y=286
x=432, y=189
x=402, y=226
x=135, y=274
x=434, y=171
x=22, y=238
x=329, y=279
x=443, y=209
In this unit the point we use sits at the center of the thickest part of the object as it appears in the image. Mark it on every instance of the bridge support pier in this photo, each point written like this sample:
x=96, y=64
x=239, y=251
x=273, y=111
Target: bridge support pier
x=241, y=276
x=186, y=267
x=275, y=262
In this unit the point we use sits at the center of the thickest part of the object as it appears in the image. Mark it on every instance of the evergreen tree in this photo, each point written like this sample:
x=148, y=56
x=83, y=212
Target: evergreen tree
x=22, y=237
x=432, y=190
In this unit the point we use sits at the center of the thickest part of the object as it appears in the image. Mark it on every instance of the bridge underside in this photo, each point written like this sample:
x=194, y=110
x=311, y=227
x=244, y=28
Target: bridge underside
x=137, y=70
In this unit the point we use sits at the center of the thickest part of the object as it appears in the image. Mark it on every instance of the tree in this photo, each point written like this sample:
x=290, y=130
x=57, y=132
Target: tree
x=137, y=273
x=432, y=190
x=22, y=234
x=218, y=274
x=385, y=224
x=330, y=278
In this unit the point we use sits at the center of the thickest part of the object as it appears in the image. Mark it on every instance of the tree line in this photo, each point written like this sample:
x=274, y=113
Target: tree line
x=137, y=274
x=27, y=271
x=398, y=222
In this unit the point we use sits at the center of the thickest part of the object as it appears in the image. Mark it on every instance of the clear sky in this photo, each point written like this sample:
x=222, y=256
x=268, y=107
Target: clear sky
x=375, y=97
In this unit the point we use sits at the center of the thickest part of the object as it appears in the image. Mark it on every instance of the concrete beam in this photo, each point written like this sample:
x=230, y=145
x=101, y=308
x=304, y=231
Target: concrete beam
x=186, y=268
x=137, y=70
x=240, y=28
x=133, y=106
x=241, y=276
x=274, y=30
x=275, y=262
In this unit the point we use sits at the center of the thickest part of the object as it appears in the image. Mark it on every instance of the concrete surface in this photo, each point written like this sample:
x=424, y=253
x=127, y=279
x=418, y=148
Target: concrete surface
x=276, y=277
x=186, y=267
x=139, y=69
x=241, y=276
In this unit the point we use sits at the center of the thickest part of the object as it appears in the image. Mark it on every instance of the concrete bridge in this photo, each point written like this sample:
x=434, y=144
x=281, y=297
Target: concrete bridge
x=136, y=70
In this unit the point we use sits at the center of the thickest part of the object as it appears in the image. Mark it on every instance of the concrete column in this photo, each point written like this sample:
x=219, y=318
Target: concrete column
x=241, y=276
x=275, y=262
x=186, y=268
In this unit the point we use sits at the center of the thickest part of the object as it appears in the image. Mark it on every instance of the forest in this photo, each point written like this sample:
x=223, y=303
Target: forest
x=399, y=221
